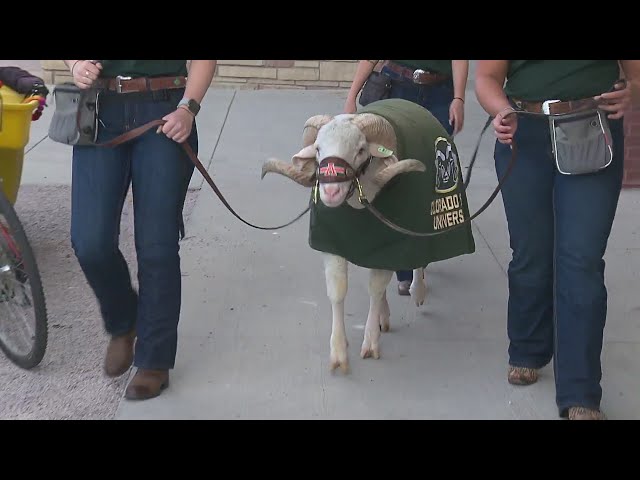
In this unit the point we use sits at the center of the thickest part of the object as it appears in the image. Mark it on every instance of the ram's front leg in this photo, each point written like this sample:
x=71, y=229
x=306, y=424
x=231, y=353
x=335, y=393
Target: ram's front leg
x=335, y=271
x=378, y=312
x=418, y=288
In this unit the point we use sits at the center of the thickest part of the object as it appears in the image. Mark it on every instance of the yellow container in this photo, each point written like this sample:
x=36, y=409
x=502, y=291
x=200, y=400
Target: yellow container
x=11, y=162
x=15, y=126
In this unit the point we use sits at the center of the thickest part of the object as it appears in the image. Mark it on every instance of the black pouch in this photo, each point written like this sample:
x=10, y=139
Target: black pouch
x=581, y=142
x=377, y=87
x=75, y=118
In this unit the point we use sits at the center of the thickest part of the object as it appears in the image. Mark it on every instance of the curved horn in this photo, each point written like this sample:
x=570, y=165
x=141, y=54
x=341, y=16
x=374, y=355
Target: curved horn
x=302, y=168
x=404, y=166
x=311, y=127
x=302, y=173
x=376, y=129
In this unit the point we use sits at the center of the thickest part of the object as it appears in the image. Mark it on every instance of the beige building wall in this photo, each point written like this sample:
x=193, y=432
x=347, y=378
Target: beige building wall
x=255, y=74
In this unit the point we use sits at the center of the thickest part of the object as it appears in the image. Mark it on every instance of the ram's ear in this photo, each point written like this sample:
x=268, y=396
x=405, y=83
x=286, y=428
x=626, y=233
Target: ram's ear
x=304, y=155
x=302, y=168
x=380, y=151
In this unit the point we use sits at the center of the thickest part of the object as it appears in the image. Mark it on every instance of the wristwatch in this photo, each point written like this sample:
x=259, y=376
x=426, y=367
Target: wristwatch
x=192, y=105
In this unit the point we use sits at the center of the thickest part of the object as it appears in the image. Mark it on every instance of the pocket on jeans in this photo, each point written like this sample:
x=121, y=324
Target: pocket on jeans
x=111, y=120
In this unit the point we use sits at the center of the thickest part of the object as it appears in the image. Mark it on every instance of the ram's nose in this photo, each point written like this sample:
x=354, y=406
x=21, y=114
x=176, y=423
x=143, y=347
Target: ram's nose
x=331, y=191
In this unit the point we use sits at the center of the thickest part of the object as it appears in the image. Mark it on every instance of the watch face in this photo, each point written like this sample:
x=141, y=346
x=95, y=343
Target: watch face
x=193, y=106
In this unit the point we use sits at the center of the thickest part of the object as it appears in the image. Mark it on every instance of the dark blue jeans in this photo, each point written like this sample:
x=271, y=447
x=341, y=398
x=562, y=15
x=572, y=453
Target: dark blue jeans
x=436, y=99
x=159, y=173
x=559, y=227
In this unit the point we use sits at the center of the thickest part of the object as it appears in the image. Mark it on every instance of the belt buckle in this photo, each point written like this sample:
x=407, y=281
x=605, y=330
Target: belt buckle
x=416, y=75
x=545, y=106
x=119, y=79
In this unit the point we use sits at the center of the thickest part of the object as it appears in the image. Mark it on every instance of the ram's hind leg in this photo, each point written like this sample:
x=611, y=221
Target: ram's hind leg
x=418, y=288
x=335, y=270
x=378, y=281
x=385, y=313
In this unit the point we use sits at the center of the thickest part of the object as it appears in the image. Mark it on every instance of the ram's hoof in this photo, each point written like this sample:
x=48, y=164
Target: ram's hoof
x=368, y=351
x=418, y=291
x=343, y=366
x=339, y=360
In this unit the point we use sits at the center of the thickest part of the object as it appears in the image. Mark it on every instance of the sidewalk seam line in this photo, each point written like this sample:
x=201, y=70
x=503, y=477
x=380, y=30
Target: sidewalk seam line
x=490, y=249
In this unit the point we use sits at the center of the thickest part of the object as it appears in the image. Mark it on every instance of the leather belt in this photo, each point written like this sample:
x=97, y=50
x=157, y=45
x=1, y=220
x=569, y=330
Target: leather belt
x=420, y=77
x=556, y=107
x=122, y=84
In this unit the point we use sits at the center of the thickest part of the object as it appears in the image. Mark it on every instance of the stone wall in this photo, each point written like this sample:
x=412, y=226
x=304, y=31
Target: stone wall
x=256, y=74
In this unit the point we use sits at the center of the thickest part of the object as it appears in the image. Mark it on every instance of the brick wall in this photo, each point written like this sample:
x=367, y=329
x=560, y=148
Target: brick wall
x=632, y=148
x=256, y=74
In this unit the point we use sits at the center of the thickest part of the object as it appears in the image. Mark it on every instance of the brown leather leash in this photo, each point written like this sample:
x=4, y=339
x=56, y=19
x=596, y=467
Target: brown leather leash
x=136, y=132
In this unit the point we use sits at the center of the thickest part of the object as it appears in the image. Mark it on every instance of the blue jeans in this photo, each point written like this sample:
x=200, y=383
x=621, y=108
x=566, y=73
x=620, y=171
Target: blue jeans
x=436, y=99
x=558, y=227
x=159, y=173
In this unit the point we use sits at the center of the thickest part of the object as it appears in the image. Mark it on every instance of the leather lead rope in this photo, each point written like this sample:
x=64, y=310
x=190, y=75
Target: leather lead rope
x=136, y=132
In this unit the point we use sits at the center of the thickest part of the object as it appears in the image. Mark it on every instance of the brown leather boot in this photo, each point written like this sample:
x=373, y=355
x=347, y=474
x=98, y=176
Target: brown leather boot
x=119, y=355
x=403, y=288
x=147, y=384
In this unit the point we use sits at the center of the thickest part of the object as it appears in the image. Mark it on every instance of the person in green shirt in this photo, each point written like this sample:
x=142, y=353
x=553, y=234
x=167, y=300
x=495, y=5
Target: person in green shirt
x=558, y=224
x=132, y=93
x=437, y=85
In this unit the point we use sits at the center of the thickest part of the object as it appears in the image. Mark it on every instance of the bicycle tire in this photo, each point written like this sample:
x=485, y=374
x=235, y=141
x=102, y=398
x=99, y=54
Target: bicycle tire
x=39, y=347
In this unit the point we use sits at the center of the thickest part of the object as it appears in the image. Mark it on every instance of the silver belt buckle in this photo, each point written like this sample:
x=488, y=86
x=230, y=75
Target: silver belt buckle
x=416, y=75
x=119, y=79
x=545, y=106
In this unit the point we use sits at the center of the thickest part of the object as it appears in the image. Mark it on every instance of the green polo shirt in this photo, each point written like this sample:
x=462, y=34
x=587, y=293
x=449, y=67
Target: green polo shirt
x=429, y=201
x=437, y=66
x=539, y=80
x=144, y=68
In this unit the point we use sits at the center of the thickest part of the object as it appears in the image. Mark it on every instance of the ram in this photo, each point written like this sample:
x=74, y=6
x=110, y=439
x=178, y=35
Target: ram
x=398, y=157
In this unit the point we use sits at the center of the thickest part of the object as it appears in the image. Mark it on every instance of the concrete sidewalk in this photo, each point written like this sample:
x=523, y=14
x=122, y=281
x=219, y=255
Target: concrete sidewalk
x=255, y=326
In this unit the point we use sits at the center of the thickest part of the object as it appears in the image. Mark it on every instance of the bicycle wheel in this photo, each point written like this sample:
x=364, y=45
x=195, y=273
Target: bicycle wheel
x=23, y=312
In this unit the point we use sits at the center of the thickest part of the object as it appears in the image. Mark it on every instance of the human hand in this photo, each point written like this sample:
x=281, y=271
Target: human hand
x=178, y=126
x=505, y=125
x=456, y=115
x=85, y=73
x=350, y=105
x=616, y=101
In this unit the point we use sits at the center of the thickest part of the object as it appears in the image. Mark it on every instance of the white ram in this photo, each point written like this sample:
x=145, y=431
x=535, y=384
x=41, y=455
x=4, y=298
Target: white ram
x=355, y=139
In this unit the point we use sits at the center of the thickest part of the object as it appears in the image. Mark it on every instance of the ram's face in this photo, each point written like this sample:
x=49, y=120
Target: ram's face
x=341, y=148
x=340, y=145
x=446, y=166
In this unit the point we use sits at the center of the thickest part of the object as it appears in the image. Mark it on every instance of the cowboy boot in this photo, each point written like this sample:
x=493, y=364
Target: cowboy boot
x=403, y=288
x=119, y=356
x=147, y=383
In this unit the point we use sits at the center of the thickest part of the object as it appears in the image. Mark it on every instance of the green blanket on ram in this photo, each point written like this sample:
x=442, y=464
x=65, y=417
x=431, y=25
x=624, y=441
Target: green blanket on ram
x=427, y=201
